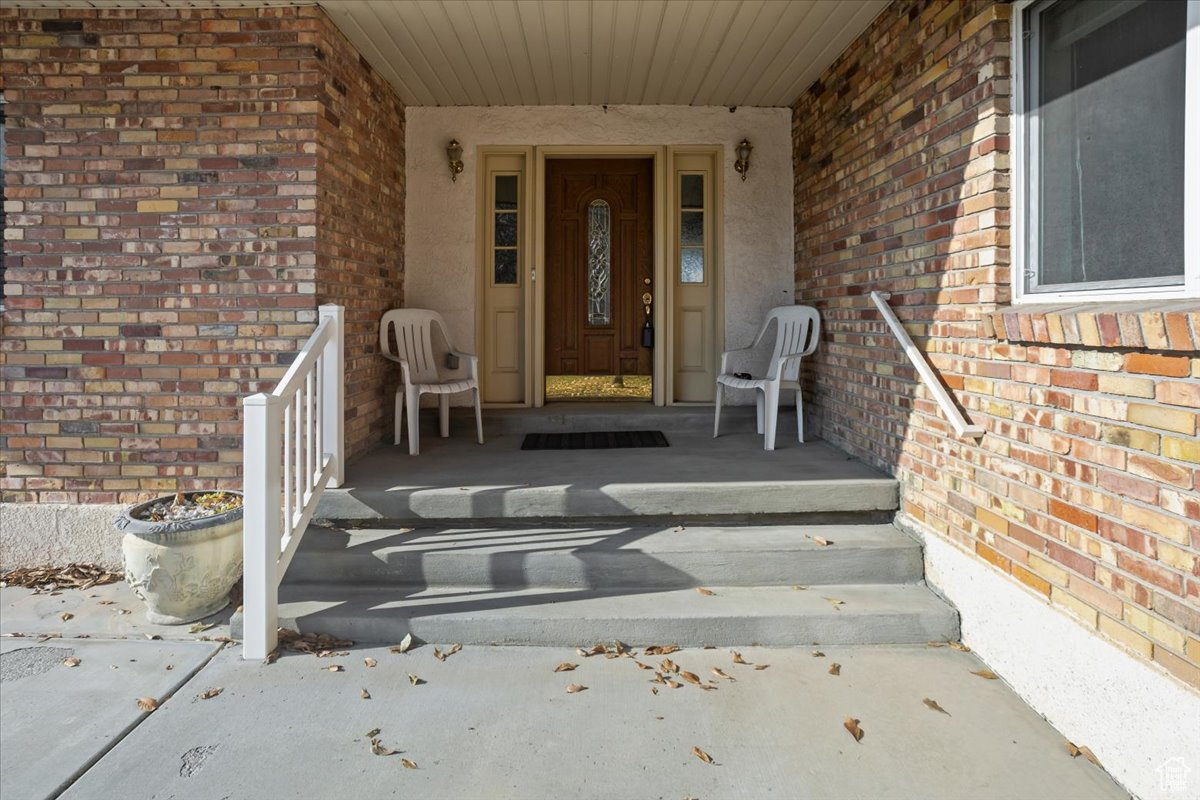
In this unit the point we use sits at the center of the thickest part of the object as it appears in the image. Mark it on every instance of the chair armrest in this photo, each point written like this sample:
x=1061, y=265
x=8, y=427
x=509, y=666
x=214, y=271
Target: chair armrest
x=472, y=362
x=726, y=354
x=403, y=365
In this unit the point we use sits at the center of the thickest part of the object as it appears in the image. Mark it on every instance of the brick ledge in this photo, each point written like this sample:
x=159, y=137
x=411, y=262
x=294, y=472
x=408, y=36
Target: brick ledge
x=1141, y=325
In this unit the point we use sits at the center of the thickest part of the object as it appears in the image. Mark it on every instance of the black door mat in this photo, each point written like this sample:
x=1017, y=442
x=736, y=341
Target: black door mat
x=594, y=440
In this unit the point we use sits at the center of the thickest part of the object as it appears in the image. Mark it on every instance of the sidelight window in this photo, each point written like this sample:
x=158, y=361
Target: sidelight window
x=505, y=230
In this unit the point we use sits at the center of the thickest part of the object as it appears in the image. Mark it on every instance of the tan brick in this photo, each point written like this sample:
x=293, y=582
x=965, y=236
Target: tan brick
x=1167, y=419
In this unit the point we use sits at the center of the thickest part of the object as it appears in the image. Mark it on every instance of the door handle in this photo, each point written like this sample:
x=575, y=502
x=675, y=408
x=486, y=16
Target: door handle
x=647, y=299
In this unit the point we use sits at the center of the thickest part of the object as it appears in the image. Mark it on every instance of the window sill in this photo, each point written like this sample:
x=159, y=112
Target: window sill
x=1144, y=325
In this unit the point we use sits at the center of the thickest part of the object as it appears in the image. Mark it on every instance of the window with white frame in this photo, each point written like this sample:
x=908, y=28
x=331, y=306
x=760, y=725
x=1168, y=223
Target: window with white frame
x=1107, y=148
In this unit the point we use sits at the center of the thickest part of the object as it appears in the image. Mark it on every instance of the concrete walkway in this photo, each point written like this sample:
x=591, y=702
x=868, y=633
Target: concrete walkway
x=497, y=722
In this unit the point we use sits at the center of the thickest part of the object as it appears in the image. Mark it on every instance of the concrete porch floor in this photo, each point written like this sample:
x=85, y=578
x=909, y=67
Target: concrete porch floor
x=697, y=476
x=497, y=722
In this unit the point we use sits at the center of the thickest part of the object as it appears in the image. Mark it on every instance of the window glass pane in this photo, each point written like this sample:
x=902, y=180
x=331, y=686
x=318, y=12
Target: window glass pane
x=506, y=192
x=599, y=264
x=506, y=266
x=1106, y=113
x=506, y=230
x=691, y=191
x=692, y=267
x=691, y=227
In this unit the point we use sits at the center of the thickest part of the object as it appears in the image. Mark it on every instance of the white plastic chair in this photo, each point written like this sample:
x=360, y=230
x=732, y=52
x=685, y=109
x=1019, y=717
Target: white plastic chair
x=798, y=328
x=414, y=342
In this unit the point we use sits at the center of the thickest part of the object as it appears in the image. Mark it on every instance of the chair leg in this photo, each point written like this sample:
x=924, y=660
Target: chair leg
x=771, y=401
x=444, y=415
x=760, y=399
x=414, y=419
x=800, y=415
x=399, y=416
x=717, y=416
x=478, y=416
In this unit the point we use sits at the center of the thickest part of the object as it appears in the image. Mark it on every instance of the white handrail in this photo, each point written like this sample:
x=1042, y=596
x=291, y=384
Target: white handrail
x=292, y=449
x=935, y=387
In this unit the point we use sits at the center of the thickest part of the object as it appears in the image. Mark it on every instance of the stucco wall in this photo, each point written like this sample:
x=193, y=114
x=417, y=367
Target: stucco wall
x=440, y=214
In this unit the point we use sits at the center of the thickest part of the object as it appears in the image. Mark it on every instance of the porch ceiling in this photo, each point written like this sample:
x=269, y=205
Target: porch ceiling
x=584, y=52
x=592, y=52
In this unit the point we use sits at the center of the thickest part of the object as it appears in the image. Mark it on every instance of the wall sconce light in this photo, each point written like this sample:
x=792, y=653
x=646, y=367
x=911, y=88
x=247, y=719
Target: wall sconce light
x=454, y=155
x=742, y=165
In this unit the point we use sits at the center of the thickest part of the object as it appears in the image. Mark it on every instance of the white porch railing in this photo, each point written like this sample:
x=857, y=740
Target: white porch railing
x=935, y=387
x=293, y=449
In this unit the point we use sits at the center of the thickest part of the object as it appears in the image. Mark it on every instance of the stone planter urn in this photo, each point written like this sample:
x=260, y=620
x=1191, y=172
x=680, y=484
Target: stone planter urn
x=182, y=568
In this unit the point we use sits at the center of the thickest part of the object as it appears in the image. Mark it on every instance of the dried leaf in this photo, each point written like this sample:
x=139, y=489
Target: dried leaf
x=703, y=756
x=817, y=654
x=169, y=667
x=737, y=658
x=933, y=706
x=705, y=592
x=678, y=529
x=371, y=734
x=640, y=665
x=147, y=703
x=575, y=688
x=835, y=669
x=987, y=674
x=153, y=636
x=835, y=601
x=669, y=666
x=851, y=724
x=47, y=637
x=414, y=680
x=654, y=689
x=404, y=762
x=690, y=677
x=201, y=627
x=672, y=684
x=66, y=615
x=760, y=667
x=721, y=674
x=798, y=588
x=334, y=668
x=709, y=687
x=439, y=655
x=454, y=648
x=661, y=649
x=364, y=694
x=405, y=645
x=821, y=541
x=959, y=646
x=369, y=662
x=1077, y=750
x=565, y=666
x=379, y=750
x=209, y=694
x=935, y=644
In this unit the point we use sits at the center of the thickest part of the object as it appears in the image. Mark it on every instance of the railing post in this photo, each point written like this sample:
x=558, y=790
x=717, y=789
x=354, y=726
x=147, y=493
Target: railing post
x=262, y=445
x=333, y=389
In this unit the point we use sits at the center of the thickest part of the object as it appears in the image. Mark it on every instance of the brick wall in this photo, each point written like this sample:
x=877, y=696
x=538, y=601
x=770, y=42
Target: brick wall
x=360, y=223
x=1084, y=488
x=167, y=241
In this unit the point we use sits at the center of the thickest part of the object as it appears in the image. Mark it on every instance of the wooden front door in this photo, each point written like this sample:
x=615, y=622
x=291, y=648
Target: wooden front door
x=599, y=263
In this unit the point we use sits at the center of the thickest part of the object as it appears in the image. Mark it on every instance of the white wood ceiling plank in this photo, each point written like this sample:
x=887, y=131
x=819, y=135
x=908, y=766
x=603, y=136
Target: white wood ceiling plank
x=579, y=44
x=554, y=23
x=864, y=14
x=724, y=83
x=664, y=51
x=425, y=88
x=717, y=28
x=457, y=78
x=460, y=19
x=749, y=14
x=508, y=21
x=604, y=23
x=647, y=27
x=499, y=50
x=769, y=49
x=821, y=22
x=534, y=34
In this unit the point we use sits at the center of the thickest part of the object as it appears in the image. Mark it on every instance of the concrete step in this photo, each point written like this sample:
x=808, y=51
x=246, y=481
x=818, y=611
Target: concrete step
x=586, y=556
x=774, y=616
x=569, y=417
x=696, y=477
